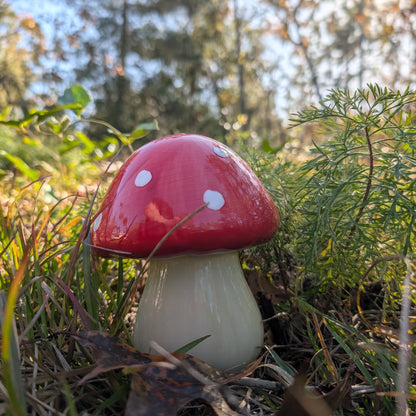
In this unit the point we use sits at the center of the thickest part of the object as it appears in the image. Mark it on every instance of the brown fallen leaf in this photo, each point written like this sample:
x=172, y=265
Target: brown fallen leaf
x=298, y=401
x=261, y=286
x=165, y=394
x=110, y=353
x=161, y=385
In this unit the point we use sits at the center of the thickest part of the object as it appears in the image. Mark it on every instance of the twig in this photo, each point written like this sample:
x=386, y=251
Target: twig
x=389, y=257
x=210, y=386
x=258, y=383
x=204, y=380
x=405, y=347
x=327, y=354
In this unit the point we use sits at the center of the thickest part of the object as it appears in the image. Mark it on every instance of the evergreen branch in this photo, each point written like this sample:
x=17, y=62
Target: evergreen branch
x=369, y=183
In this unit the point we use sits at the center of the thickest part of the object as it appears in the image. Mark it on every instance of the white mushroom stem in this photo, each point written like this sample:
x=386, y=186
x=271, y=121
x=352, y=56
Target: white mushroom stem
x=188, y=297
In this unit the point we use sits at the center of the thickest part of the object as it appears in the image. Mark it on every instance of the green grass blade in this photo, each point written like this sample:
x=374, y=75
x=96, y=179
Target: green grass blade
x=10, y=355
x=192, y=344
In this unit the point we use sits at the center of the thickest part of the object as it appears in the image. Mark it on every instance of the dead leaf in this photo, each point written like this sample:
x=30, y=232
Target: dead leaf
x=161, y=385
x=165, y=394
x=110, y=353
x=261, y=285
x=300, y=402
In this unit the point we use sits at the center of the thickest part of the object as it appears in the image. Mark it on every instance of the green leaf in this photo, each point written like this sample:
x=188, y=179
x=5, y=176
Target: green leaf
x=265, y=144
x=5, y=113
x=41, y=115
x=31, y=142
x=45, y=114
x=21, y=165
x=88, y=146
x=77, y=95
x=67, y=147
x=143, y=129
x=192, y=344
x=10, y=123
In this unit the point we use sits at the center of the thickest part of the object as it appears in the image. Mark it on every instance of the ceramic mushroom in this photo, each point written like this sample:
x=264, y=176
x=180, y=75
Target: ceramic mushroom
x=195, y=284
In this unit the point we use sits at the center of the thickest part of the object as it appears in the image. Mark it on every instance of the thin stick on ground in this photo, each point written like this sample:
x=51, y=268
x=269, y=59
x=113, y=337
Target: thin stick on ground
x=405, y=348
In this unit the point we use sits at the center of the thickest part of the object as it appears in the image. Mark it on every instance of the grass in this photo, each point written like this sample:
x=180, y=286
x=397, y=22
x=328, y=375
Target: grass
x=336, y=285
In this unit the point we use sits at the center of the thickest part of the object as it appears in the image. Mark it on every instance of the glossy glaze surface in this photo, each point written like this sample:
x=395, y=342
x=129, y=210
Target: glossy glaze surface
x=168, y=179
x=188, y=297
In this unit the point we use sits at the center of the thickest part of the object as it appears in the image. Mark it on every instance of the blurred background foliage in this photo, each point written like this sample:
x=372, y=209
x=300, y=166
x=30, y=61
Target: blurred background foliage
x=82, y=83
x=224, y=68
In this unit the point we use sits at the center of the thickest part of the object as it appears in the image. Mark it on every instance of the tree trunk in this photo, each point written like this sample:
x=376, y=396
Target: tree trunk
x=240, y=65
x=121, y=81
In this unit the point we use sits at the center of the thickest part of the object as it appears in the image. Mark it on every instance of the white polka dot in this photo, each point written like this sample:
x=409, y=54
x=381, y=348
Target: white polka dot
x=97, y=222
x=220, y=152
x=214, y=200
x=143, y=178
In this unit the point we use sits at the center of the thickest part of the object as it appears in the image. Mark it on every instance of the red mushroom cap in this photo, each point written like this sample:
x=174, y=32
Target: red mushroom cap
x=169, y=178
